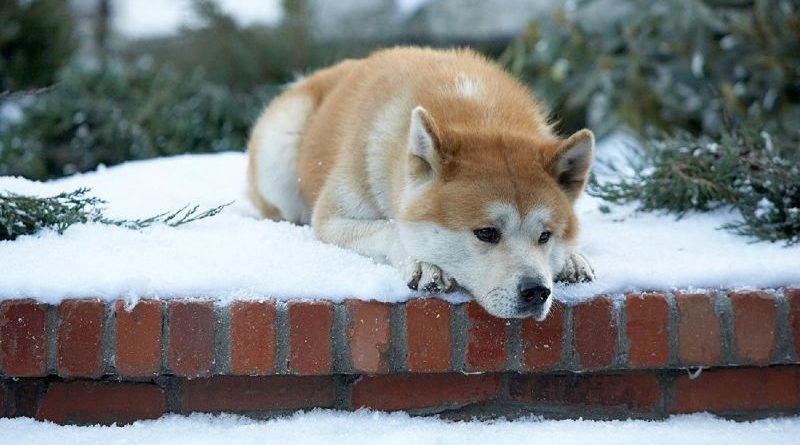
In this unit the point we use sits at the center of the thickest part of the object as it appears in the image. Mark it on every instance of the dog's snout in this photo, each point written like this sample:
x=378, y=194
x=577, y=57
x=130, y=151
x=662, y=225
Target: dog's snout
x=533, y=292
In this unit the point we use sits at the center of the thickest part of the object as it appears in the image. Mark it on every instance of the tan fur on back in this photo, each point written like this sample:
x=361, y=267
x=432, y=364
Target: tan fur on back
x=419, y=77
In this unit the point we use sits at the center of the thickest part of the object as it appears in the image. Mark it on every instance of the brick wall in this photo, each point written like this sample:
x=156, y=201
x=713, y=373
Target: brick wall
x=89, y=361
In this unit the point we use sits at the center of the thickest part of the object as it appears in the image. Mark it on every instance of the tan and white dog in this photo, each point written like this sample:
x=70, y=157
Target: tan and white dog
x=436, y=162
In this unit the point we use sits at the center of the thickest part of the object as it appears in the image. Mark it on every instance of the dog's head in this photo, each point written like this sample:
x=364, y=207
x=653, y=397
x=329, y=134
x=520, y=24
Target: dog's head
x=494, y=209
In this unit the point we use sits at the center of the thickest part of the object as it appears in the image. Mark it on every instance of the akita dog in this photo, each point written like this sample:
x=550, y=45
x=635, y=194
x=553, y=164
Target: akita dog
x=436, y=162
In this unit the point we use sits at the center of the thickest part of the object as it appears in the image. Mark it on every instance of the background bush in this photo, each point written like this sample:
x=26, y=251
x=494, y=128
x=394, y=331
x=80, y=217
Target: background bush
x=666, y=65
x=122, y=111
x=36, y=39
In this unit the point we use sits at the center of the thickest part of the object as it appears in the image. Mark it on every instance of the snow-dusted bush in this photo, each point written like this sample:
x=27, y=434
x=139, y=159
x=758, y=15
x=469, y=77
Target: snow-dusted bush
x=119, y=111
x=666, y=65
x=750, y=169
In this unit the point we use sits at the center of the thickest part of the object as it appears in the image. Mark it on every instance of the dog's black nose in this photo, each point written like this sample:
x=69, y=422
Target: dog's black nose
x=533, y=292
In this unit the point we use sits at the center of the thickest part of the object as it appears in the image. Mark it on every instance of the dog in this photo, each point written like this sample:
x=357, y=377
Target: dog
x=436, y=162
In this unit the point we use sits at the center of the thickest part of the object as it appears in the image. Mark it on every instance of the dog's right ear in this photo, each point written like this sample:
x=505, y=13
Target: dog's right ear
x=424, y=145
x=573, y=161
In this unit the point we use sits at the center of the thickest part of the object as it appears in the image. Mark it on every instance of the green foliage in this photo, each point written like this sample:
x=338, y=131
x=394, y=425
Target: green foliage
x=25, y=215
x=667, y=65
x=120, y=111
x=752, y=170
x=238, y=56
x=36, y=39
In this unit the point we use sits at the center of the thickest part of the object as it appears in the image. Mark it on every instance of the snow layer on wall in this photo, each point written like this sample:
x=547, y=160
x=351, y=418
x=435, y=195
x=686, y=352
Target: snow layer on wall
x=238, y=255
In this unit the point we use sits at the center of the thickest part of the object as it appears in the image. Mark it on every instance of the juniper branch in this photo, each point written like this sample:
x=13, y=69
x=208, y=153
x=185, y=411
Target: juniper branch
x=25, y=215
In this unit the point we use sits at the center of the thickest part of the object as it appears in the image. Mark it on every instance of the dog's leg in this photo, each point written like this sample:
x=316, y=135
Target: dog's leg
x=379, y=239
x=576, y=269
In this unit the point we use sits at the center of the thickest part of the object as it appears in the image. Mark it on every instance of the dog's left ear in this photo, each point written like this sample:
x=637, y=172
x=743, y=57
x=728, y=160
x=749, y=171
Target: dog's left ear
x=572, y=162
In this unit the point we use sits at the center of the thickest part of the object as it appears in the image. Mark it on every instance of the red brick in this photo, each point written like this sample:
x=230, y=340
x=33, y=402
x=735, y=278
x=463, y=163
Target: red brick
x=728, y=390
x=418, y=391
x=754, y=319
x=191, y=338
x=310, y=337
x=595, y=333
x=793, y=296
x=253, y=337
x=486, y=340
x=255, y=394
x=542, y=341
x=87, y=402
x=23, y=338
x=26, y=397
x=369, y=334
x=3, y=395
x=428, y=333
x=138, y=342
x=699, y=340
x=635, y=390
x=80, y=338
x=647, y=328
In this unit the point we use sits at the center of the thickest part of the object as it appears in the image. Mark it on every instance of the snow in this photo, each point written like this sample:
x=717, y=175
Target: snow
x=333, y=427
x=237, y=255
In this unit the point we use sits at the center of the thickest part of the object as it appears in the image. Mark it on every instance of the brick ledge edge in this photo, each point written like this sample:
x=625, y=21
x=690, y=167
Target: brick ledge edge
x=610, y=357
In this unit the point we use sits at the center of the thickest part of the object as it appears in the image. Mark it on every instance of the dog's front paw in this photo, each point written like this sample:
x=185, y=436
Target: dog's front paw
x=429, y=277
x=576, y=270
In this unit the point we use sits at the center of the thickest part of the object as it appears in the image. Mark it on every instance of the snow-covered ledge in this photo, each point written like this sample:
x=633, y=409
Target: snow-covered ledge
x=236, y=255
x=233, y=313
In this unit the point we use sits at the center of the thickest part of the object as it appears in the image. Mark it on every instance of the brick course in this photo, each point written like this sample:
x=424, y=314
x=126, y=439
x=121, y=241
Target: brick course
x=542, y=341
x=88, y=402
x=23, y=338
x=486, y=340
x=731, y=390
x=409, y=392
x=80, y=338
x=310, y=333
x=428, y=334
x=3, y=396
x=138, y=341
x=754, y=318
x=369, y=334
x=619, y=357
x=257, y=394
x=253, y=337
x=699, y=332
x=647, y=328
x=596, y=334
x=793, y=297
x=637, y=391
x=191, y=338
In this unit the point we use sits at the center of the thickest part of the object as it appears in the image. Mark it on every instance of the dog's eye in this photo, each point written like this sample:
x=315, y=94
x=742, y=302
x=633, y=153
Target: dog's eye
x=488, y=235
x=545, y=237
